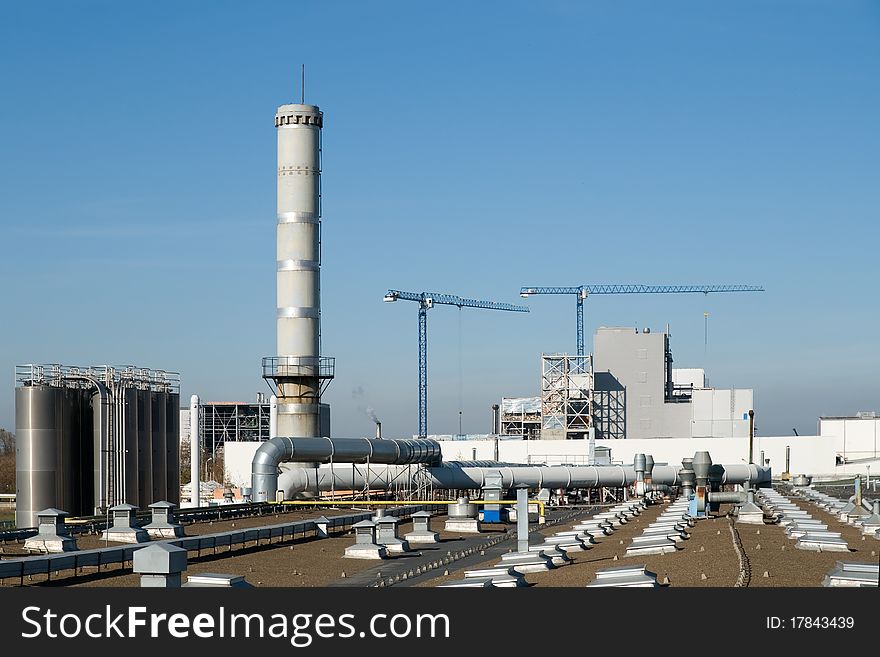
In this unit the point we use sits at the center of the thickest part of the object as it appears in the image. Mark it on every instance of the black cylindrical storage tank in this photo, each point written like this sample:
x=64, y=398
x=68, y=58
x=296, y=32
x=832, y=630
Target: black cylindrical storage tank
x=172, y=447
x=69, y=476
x=130, y=444
x=145, y=448
x=84, y=434
x=159, y=399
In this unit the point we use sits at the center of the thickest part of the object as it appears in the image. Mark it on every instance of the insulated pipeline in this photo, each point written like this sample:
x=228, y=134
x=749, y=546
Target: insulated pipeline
x=453, y=475
x=273, y=452
x=449, y=475
x=736, y=497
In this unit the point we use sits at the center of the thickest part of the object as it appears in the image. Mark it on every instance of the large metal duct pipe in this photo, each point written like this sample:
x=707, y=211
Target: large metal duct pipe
x=467, y=475
x=273, y=452
x=452, y=476
x=640, y=465
x=688, y=478
x=735, y=473
x=701, y=464
x=718, y=497
x=195, y=452
x=456, y=475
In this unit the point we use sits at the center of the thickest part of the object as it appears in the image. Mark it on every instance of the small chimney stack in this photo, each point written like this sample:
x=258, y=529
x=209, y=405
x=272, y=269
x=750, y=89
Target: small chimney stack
x=378, y=430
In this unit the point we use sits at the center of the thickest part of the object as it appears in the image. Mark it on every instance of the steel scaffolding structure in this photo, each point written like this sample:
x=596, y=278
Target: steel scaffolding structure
x=232, y=421
x=521, y=416
x=566, y=396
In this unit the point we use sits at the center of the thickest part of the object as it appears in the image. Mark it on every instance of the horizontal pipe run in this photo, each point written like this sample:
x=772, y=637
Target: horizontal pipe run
x=736, y=497
x=265, y=480
x=273, y=452
x=453, y=476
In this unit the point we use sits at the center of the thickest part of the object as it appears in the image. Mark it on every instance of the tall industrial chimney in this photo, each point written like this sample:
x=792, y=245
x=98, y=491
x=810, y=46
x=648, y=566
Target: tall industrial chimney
x=298, y=370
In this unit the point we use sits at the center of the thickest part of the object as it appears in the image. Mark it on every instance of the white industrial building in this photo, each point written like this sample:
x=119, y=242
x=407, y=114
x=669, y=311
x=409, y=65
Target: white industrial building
x=626, y=389
x=855, y=437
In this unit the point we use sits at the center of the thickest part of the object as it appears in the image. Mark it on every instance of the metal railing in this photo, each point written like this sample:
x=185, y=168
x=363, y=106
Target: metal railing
x=57, y=375
x=322, y=367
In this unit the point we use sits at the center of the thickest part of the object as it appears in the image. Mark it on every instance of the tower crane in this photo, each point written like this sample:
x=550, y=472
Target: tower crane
x=583, y=291
x=427, y=300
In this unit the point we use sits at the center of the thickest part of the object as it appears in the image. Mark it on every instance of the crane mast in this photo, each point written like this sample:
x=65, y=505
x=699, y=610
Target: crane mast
x=427, y=300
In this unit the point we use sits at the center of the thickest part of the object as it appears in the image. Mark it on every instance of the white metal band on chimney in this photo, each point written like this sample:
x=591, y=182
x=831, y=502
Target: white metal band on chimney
x=298, y=271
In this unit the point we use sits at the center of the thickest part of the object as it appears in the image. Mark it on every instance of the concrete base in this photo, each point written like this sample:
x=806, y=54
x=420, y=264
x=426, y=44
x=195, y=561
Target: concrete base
x=642, y=545
x=365, y=551
x=869, y=528
x=423, y=537
x=397, y=546
x=567, y=544
x=668, y=524
x=642, y=550
x=750, y=514
x=526, y=562
x=501, y=577
x=750, y=518
x=625, y=576
x=854, y=515
x=164, y=531
x=670, y=535
x=822, y=543
x=853, y=575
x=584, y=537
x=470, y=583
x=462, y=525
x=217, y=580
x=557, y=556
x=594, y=529
x=171, y=580
x=125, y=535
x=795, y=531
x=45, y=544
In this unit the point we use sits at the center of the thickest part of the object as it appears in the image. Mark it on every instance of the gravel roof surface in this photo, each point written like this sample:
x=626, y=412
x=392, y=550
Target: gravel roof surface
x=709, y=552
x=303, y=563
x=717, y=561
x=801, y=568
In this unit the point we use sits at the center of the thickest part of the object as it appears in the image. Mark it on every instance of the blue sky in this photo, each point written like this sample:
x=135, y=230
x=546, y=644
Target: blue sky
x=469, y=148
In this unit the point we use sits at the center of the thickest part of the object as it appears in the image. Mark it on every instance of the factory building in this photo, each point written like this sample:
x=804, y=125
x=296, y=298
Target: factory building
x=628, y=388
x=236, y=421
x=855, y=436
